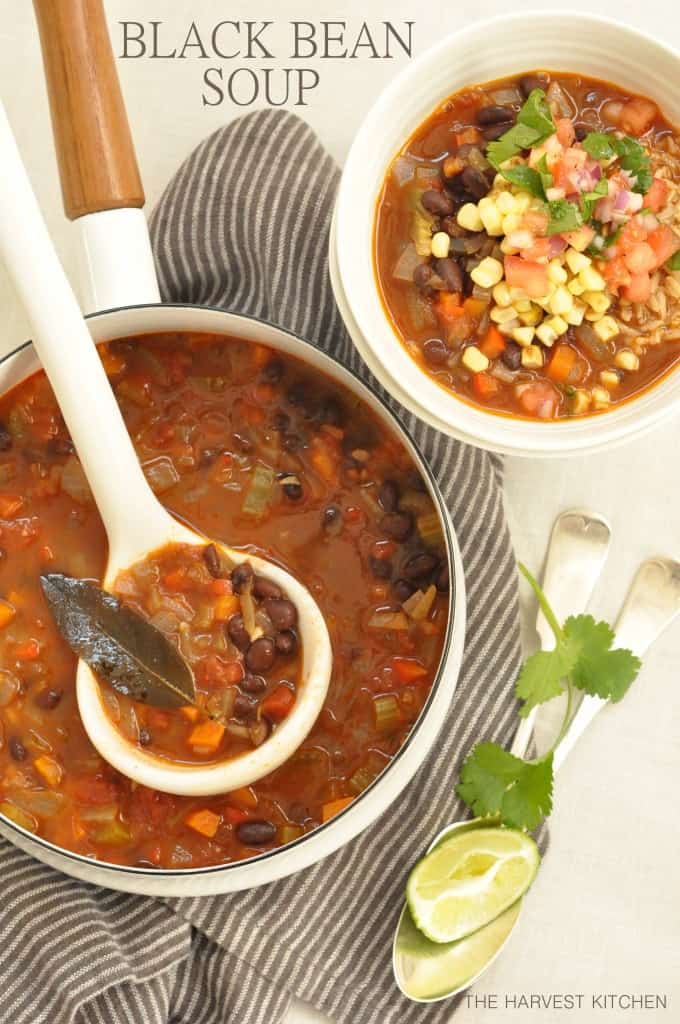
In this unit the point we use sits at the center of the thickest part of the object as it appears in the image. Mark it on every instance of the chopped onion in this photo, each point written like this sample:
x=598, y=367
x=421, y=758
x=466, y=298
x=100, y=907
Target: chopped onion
x=501, y=372
x=407, y=263
x=587, y=337
x=160, y=473
x=483, y=294
x=506, y=97
x=403, y=170
x=388, y=620
x=560, y=101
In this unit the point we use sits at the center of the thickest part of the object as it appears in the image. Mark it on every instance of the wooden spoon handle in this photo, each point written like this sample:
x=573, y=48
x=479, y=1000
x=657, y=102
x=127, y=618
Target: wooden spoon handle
x=96, y=155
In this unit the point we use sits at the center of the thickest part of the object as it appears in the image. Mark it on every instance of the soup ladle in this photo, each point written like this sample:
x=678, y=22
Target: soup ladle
x=428, y=972
x=135, y=521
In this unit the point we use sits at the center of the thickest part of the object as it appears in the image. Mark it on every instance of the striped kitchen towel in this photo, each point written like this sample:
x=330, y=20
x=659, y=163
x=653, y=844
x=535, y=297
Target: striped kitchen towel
x=244, y=225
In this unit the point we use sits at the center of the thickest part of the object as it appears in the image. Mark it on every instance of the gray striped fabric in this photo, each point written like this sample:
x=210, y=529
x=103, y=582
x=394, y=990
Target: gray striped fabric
x=244, y=225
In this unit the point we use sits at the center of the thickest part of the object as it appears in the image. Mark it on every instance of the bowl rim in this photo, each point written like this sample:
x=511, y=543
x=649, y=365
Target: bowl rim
x=373, y=331
x=457, y=592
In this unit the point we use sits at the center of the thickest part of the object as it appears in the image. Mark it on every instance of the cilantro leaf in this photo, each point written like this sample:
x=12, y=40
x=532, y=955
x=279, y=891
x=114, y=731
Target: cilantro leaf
x=632, y=155
x=674, y=262
x=536, y=114
x=534, y=125
x=599, y=670
x=526, y=178
x=547, y=179
x=599, y=146
x=588, y=199
x=542, y=676
x=492, y=781
x=564, y=216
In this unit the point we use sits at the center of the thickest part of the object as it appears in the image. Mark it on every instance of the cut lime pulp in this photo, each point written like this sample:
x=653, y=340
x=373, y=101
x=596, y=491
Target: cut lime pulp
x=469, y=880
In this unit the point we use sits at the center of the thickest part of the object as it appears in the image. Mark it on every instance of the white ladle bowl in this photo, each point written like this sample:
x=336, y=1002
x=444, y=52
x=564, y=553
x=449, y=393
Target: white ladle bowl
x=136, y=523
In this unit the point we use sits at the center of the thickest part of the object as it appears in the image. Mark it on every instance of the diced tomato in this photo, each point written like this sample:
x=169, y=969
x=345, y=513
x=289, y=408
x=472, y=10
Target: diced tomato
x=540, y=399
x=234, y=815
x=531, y=277
x=641, y=258
x=581, y=238
x=177, y=579
x=637, y=116
x=149, y=807
x=277, y=704
x=409, y=670
x=565, y=131
x=655, y=199
x=212, y=671
x=639, y=289
x=245, y=798
x=616, y=273
x=664, y=242
x=92, y=789
x=535, y=221
x=484, y=386
x=493, y=343
x=28, y=651
x=220, y=587
x=632, y=234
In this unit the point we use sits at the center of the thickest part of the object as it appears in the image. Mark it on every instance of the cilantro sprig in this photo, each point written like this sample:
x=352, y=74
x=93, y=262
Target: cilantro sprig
x=632, y=156
x=495, y=782
x=534, y=125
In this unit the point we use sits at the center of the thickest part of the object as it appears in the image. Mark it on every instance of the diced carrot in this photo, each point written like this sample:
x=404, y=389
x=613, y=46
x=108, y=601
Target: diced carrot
x=207, y=736
x=49, y=769
x=409, y=670
x=225, y=607
x=220, y=587
x=334, y=807
x=234, y=815
x=655, y=199
x=190, y=712
x=324, y=463
x=493, y=343
x=484, y=386
x=10, y=505
x=28, y=651
x=637, y=116
x=448, y=306
x=562, y=362
x=245, y=797
x=468, y=135
x=531, y=277
x=204, y=822
x=474, y=307
x=177, y=579
x=7, y=613
x=664, y=242
x=277, y=704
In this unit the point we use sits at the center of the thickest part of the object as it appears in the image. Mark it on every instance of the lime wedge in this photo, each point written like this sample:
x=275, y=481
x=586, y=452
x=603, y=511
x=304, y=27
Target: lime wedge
x=468, y=880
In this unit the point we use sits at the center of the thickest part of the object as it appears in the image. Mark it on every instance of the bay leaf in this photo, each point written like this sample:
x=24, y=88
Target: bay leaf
x=120, y=646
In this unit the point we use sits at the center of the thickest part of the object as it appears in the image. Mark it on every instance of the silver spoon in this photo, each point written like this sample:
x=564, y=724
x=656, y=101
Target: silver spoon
x=427, y=971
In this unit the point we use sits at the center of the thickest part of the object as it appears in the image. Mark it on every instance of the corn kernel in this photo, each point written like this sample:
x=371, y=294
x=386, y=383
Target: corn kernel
x=508, y=327
x=491, y=218
x=506, y=202
x=516, y=294
x=576, y=313
x=499, y=181
x=627, y=360
x=592, y=315
x=509, y=250
x=556, y=272
x=487, y=273
x=577, y=261
x=599, y=301
x=440, y=245
x=475, y=360
x=511, y=222
x=522, y=305
x=468, y=218
x=523, y=335
x=591, y=280
x=522, y=202
x=501, y=294
x=503, y=315
x=580, y=402
x=575, y=286
x=546, y=334
x=561, y=301
x=601, y=398
x=606, y=328
x=532, y=316
x=558, y=325
x=532, y=357
x=610, y=379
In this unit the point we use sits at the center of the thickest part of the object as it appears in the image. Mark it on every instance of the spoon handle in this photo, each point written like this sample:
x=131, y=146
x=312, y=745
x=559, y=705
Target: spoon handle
x=69, y=357
x=577, y=551
x=652, y=603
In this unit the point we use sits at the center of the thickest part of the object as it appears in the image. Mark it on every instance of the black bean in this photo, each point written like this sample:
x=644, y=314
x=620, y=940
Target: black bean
x=437, y=202
x=254, y=685
x=291, y=487
x=450, y=273
x=5, y=438
x=494, y=131
x=264, y=588
x=255, y=833
x=237, y=632
x=286, y=643
x=512, y=355
x=282, y=612
x=60, y=446
x=528, y=83
x=241, y=575
x=474, y=182
x=381, y=568
x=494, y=115
x=580, y=131
x=331, y=519
x=388, y=495
x=17, y=749
x=403, y=589
x=49, y=698
x=260, y=655
x=419, y=566
x=443, y=582
x=243, y=708
x=213, y=562
x=144, y=737
x=397, y=525
x=436, y=351
x=422, y=275
x=273, y=371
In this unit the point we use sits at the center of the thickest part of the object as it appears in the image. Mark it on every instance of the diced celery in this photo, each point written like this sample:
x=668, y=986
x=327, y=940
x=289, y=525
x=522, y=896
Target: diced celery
x=387, y=713
x=259, y=494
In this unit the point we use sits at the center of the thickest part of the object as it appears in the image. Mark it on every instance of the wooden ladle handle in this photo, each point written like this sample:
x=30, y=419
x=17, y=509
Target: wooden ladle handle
x=96, y=155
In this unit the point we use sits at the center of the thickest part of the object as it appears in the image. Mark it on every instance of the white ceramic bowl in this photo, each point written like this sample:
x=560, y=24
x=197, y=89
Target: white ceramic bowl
x=487, y=50
x=268, y=866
